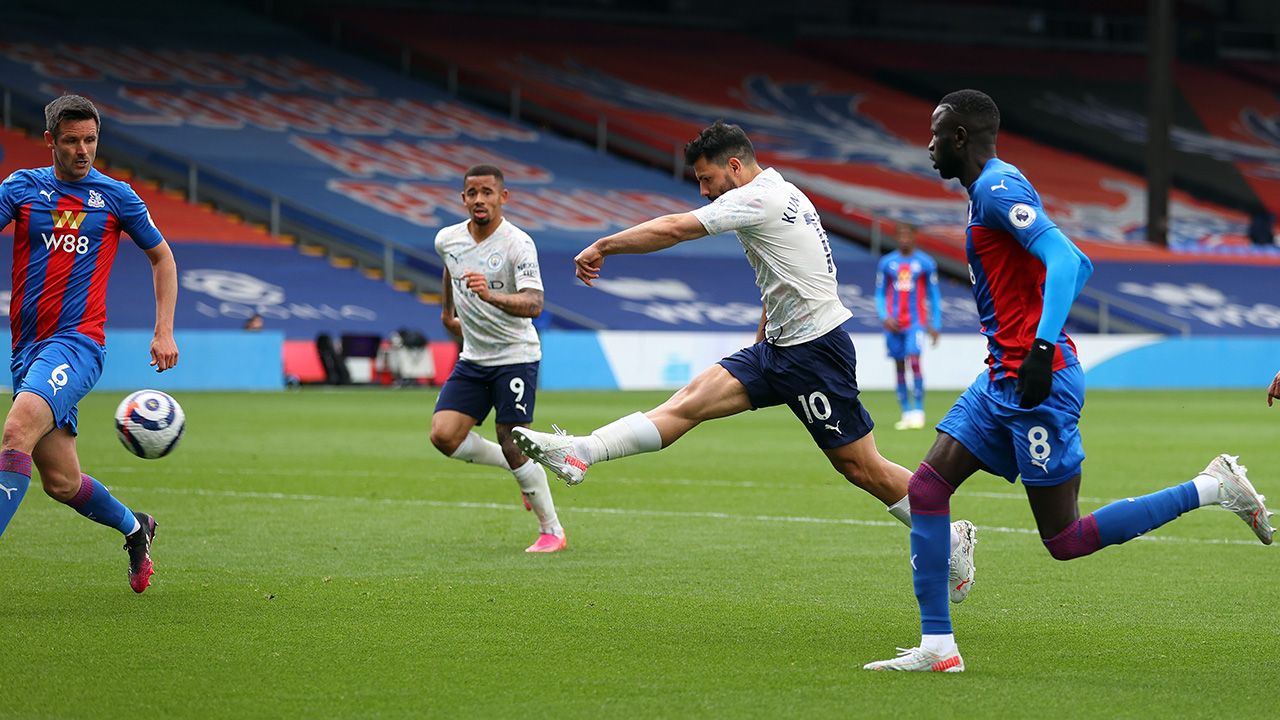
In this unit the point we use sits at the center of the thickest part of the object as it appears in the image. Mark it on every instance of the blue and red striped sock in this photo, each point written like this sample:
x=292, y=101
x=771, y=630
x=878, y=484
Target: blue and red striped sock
x=930, y=497
x=15, y=478
x=95, y=502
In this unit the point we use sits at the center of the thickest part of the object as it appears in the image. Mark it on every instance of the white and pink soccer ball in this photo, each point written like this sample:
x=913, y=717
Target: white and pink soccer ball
x=149, y=423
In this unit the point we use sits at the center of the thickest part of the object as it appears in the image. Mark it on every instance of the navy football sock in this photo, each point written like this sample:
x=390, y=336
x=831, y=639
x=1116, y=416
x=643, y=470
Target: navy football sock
x=15, y=478
x=95, y=502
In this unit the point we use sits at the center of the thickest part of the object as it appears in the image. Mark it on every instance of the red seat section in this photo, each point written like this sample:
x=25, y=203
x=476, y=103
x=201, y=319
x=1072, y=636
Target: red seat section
x=179, y=220
x=445, y=355
x=302, y=360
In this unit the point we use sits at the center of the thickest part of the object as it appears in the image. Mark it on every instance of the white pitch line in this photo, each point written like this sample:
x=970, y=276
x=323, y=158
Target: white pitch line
x=299, y=497
x=619, y=480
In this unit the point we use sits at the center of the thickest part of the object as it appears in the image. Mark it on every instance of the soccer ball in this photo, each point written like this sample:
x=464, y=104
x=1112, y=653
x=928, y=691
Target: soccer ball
x=149, y=423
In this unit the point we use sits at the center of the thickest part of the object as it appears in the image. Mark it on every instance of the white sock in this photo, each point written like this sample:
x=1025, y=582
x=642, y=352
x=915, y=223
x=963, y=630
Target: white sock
x=136, y=526
x=1207, y=487
x=479, y=450
x=902, y=511
x=939, y=644
x=533, y=483
x=631, y=435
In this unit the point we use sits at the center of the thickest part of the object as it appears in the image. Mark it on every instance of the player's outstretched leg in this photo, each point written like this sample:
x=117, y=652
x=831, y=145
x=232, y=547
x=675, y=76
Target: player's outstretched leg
x=1238, y=495
x=569, y=456
x=138, y=545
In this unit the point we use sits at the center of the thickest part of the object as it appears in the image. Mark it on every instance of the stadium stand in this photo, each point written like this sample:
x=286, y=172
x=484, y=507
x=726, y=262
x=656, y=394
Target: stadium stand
x=351, y=148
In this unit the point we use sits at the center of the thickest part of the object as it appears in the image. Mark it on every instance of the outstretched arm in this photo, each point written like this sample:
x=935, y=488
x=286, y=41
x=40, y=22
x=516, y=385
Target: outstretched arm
x=647, y=237
x=164, y=274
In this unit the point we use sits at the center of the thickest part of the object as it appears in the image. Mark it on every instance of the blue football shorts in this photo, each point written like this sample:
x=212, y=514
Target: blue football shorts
x=904, y=344
x=816, y=379
x=509, y=389
x=62, y=369
x=1042, y=444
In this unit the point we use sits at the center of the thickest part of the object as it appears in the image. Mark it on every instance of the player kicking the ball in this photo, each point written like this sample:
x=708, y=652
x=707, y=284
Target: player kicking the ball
x=801, y=357
x=492, y=292
x=67, y=223
x=1020, y=416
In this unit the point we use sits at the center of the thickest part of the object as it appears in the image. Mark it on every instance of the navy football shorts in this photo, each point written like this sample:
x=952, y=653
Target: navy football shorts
x=1042, y=444
x=62, y=369
x=510, y=389
x=816, y=379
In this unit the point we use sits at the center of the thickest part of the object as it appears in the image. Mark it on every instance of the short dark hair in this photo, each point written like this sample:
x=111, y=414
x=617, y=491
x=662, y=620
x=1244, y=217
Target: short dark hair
x=718, y=143
x=483, y=171
x=69, y=107
x=974, y=106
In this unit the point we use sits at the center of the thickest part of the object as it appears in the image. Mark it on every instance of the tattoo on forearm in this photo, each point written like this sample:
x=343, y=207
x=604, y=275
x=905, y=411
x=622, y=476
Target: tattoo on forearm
x=526, y=303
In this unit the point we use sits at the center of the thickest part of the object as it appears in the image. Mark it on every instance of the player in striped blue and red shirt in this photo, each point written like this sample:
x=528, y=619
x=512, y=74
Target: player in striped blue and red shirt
x=909, y=304
x=67, y=223
x=1020, y=416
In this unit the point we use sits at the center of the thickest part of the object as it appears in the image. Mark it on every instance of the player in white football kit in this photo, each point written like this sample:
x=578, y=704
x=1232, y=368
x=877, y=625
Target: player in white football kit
x=801, y=357
x=492, y=292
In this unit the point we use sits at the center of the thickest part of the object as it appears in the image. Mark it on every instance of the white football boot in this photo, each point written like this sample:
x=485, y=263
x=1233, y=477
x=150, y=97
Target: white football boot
x=1238, y=495
x=920, y=660
x=960, y=574
x=554, y=452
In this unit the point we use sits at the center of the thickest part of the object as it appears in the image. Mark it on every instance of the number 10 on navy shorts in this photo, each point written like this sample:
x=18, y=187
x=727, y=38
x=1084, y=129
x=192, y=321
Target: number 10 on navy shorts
x=510, y=389
x=816, y=379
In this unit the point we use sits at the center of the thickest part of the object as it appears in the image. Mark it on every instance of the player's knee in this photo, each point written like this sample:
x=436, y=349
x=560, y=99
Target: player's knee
x=1078, y=539
x=445, y=441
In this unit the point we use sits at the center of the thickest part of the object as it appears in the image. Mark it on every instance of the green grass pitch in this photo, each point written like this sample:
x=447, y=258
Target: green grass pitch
x=317, y=558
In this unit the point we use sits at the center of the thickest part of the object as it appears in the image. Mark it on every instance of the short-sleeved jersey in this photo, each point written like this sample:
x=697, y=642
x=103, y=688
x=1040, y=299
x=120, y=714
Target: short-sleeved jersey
x=903, y=285
x=64, y=243
x=509, y=261
x=1005, y=218
x=784, y=241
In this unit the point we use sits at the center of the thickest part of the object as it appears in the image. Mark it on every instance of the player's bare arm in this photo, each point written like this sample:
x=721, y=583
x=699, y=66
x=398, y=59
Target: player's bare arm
x=1273, y=392
x=164, y=273
x=760, y=330
x=526, y=302
x=650, y=236
x=449, y=314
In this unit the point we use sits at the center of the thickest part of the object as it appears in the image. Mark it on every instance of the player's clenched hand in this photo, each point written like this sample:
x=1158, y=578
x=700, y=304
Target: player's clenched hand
x=478, y=284
x=1273, y=393
x=587, y=264
x=933, y=335
x=164, y=352
x=891, y=324
x=1035, y=376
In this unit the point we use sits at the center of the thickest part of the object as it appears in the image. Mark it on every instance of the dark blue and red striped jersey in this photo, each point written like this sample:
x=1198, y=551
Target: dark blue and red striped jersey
x=1005, y=218
x=64, y=242
x=907, y=290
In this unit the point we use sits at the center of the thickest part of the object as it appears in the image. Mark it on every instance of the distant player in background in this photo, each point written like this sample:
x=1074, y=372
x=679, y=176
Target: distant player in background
x=67, y=223
x=802, y=357
x=1273, y=392
x=909, y=303
x=1020, y=416
x=492, y=292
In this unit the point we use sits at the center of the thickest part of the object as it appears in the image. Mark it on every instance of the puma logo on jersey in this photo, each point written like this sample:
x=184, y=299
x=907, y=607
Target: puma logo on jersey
x=833, y=428
x=1001, y=186
x=48, y=195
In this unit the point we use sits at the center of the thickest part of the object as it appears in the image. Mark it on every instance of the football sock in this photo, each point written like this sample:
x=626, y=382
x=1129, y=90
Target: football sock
x=96, y=503
x=941, y=644
x=919, y=383
x=533, y=483
x=1208, y=490
x=1125, y=520
x=902, y=511
x=15, y=478
x=631, y=435
x=475, y=449
x=902, y=390
x=930, y=532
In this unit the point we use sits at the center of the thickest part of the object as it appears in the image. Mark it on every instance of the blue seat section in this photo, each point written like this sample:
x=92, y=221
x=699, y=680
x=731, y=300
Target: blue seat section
x=348, y=147
x=1208, y=299
x=655, y=292
x=297, y=295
